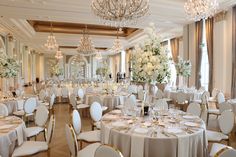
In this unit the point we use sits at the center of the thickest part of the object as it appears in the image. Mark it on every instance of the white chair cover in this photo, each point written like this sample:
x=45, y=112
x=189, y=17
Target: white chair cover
x=3, y=110
x=107, y=151
x=50, y=129
x=194, y=108
x=214, y=92
x=76, y=121
x=226, y=121
x=30, y=105
x=41, y=115
x=220, y=97
x=73, y=100
x=96, y=99
x=96, y=111
x=42, y=95
x=181, y=98
x=81, y=93
x=133, y=98
x=52, y=100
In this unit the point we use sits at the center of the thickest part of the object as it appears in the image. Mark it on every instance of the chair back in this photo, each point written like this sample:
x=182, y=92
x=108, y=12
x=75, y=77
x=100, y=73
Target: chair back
x=73, y=100
x=226, y=121
x=52, y=100
x=205, y=98
x=3, y=110
x=181, y=97
x=195, y=109
x=71, y=140
x=141, y=94
x=76, y=121
x=224, y=106
x=41, y=116
x=97, y=99
x=159, y=94
x=214, y=92
x=161, y=104
x=107, y=151
x=133, y=98
x=64, y=92
x=30, y=105
x=226, y=152
x=50, y=129
x=96, y=111
x=220, y=97
x=42, y=95
x=81, y=93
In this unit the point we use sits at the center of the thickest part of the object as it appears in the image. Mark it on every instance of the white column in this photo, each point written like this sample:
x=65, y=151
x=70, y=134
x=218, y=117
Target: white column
x=123, y=56
x=33, y=65
x=41, y=67
x=26, y=64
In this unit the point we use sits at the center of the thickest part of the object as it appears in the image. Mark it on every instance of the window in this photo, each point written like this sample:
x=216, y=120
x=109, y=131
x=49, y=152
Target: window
x=205, y=62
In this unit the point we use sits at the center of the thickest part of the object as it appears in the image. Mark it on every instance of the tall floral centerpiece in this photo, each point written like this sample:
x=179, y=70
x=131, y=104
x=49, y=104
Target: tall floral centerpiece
x=56, y=70
x=150, y=64
x=9, y=68
x=183, y=68
x=104, y=71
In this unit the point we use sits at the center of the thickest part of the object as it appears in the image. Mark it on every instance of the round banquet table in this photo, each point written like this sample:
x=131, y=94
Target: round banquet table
x=13, y=104
x=174, y=134
x=11, y=134
x=190, y=96
x=109, y=100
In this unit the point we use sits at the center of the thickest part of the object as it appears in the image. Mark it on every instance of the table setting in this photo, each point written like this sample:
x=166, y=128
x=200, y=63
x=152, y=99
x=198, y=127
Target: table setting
x=172, y=127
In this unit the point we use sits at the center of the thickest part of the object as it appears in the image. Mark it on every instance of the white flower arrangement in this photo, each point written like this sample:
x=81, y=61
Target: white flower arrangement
x=56, y=70
x=149, y=62
x=8, y=67
x=103, y=71
x=183, y=67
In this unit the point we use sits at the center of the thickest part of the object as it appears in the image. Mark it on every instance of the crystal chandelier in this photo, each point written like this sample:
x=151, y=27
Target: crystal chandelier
x=98, y=55
x=200, y=9
x=120, y=12
x=117, y=46
x=51, y=41
x=58, y=55
x=85, y=47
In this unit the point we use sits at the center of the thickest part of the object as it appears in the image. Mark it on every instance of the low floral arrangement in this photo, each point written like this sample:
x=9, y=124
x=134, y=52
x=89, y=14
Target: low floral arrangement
x=149, y=62
x=8, y=66
x=183, y=67
x=56, y=70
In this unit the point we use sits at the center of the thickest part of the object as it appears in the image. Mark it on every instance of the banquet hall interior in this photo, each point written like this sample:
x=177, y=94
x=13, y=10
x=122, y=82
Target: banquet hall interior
x=118, y=78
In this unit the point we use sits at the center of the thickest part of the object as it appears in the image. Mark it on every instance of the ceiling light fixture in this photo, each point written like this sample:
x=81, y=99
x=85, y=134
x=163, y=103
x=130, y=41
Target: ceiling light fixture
x=200, y=9
x=51, y=41
x=98, y=55
x=117, y=46
x=58, y=55
x=119, y=13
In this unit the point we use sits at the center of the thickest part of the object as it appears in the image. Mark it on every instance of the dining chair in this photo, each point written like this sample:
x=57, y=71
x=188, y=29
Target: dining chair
x=42, y=95
x=72, y=143
x=107, y=151
x=221, y=150
x=194, y=108
x=3, y=110
x=33, y=147
x=41, y=117
x=28, y=110
x=220, y=97
x=99, y=100
x=226, y=124
x=225, y=106
x=161, y=104
x=181, y=100
x=81, y=95
x=96, y=115
x=88, y=136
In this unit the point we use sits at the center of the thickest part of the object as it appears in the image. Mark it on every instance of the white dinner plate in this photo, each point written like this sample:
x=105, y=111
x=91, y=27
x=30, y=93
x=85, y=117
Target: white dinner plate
x=190, y=117
x=119, y=124
x=174, y=130
x=141, y=130
x=191, y=124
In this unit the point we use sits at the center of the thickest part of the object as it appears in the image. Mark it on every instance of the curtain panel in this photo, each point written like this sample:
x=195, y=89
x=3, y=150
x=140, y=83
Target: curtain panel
x=174, y=43
x=209, y=24
x=233, y=85
x=198, y=42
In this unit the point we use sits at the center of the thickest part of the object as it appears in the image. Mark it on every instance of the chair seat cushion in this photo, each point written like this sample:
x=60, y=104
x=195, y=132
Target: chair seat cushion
x=216, y=147
x=33, y=131
x=104, y=108
x=216, y=136
x=81, y=106
x=89, y=151
x=90, y=136
x=29, y=148
x=213, y=111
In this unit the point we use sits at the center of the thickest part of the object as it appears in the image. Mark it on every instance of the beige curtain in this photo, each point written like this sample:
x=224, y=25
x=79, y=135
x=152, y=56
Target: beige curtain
x=233, y=86
x=174, y=43
x=198, y=36
x=209, y=39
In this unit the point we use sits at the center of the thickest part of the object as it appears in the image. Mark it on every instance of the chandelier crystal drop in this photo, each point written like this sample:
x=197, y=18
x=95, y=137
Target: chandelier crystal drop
x=117, y=46
x=58, y=55
x=119, y=13
x=98, y=55
x=85, y=47
x=51, y=41
x=200, y=9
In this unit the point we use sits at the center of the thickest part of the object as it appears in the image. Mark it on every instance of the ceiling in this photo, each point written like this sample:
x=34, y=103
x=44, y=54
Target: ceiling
x=168, y=15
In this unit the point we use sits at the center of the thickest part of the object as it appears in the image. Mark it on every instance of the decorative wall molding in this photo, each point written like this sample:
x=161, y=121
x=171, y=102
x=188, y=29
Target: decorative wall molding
x=220, y=16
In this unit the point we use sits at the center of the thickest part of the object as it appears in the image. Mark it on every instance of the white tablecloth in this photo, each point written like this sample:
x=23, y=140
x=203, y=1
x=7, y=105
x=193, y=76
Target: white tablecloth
x=152, y=144
x=190, y=96
x=13, y=105
x=11, y=134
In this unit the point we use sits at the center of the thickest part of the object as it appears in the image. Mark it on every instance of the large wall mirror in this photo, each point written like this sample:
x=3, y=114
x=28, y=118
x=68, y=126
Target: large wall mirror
x=78, y=67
